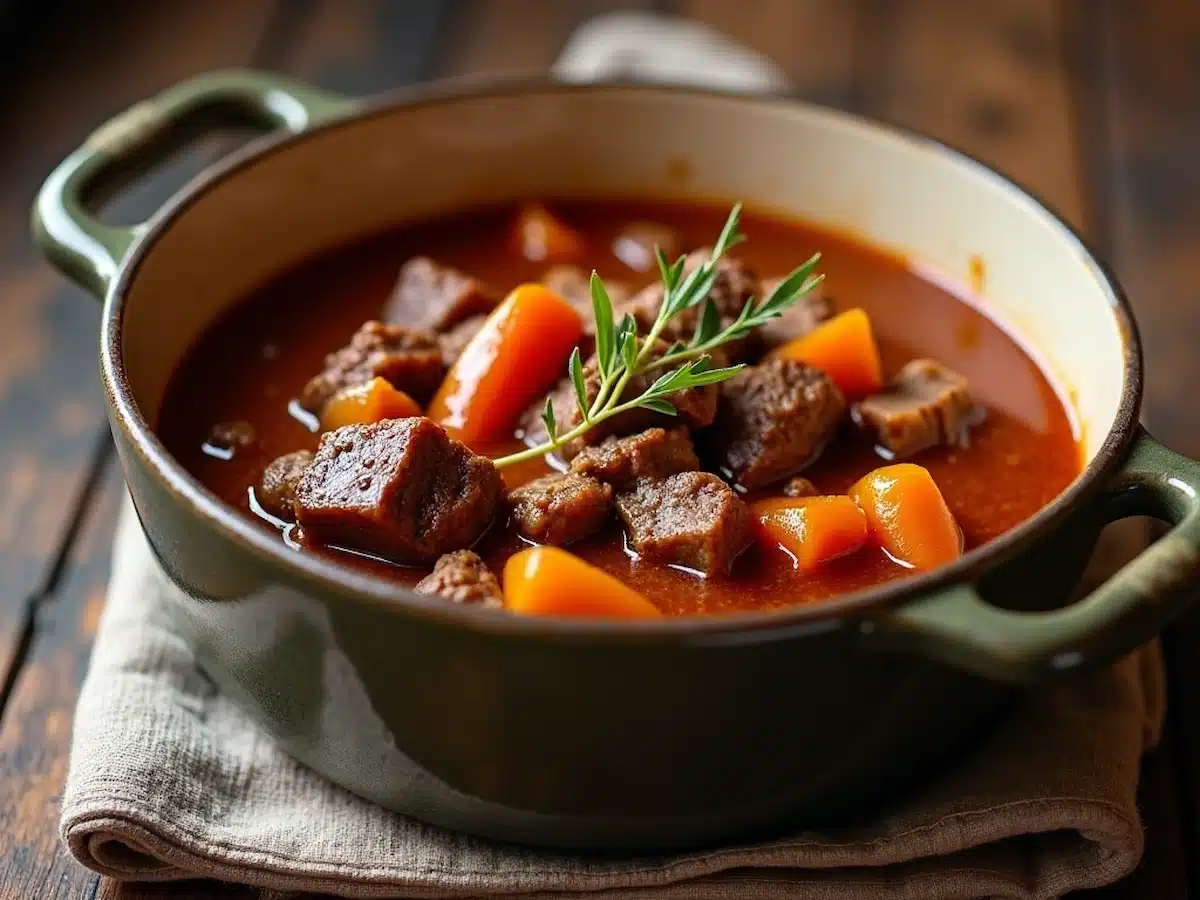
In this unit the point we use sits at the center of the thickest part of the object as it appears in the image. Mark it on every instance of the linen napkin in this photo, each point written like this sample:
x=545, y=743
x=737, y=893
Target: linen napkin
x=169, y=780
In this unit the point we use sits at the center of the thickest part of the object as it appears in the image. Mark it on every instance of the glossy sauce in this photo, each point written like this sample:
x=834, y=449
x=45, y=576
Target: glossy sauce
x=251, y=363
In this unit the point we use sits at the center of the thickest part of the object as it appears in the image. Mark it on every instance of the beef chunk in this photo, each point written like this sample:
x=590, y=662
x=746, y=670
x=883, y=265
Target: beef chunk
x=409, y=359
x=774, y=419
x=695, y=407
x=799, y=486
x=277, y=489
x=562, y=399
x=735, y=284
x=462, y=577
x=635, y=245
x=399, y=488
x=433, y=297
x=574, y=285
x=654, y=453
x=691, y=519
x=798, y=319
x=560, y=509
x=226, y=438
x=453, y=341
x=925, y=405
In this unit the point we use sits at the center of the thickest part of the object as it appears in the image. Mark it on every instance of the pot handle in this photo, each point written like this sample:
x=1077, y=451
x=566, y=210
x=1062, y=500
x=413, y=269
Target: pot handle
x=956, y=626
x=91, y=252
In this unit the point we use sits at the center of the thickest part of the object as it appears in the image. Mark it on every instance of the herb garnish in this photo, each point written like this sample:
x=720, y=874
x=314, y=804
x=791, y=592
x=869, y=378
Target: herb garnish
x=622, y=354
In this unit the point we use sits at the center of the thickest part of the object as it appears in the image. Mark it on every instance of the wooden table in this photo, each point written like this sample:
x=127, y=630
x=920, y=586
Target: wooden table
x=1091, y=103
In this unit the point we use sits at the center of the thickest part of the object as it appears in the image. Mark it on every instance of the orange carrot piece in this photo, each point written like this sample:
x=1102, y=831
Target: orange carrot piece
x=542, y=237
x=547, y=581
x=908, y=516
x=362, y=404
x=813, y=530
x=844, y=349
x=516, y=357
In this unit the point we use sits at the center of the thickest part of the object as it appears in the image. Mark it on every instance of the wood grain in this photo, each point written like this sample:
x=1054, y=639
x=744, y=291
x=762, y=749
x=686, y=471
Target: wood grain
x=37, y=719
x=984, y=77
x=814, y=41
x=364, y=46
x=50, y=405
x=1146, y=136
x=54, y=544
x=512, y=36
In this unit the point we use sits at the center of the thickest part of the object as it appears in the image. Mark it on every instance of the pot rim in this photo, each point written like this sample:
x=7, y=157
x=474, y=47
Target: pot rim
x=323, y=575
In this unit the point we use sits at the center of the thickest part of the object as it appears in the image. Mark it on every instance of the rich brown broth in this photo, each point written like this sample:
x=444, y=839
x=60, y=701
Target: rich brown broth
x=252, y=362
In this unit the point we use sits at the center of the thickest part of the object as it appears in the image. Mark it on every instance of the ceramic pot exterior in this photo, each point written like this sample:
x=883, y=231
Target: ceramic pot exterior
x=601, y=734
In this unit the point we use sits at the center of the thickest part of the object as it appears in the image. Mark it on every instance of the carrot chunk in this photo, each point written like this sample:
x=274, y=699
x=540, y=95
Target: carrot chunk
x=546, y=581
x=518, y=354
x=541, y=237
x=813, y=530
x=844, y=349
x=908, y=516
x=363, y=404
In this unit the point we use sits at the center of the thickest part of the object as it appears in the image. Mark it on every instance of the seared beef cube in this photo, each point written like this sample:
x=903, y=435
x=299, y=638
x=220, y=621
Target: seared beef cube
x=226, y=438
x=453, y=341
x=798, y=319
x=562, y=399
x=735, y=284
x=925, y=405
x=574, y=285
x=799, y=486
x=410, y=360
x=637, y=241
x=277, y=490
x=462, y=577
x=431, y=296
x=654, y=453
x=690, y=519
x=400, y=489
x=695, y=407
x=560, y=509
x=774, y=419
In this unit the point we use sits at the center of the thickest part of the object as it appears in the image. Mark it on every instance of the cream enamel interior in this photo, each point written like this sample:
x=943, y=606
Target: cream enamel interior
x=411, y=162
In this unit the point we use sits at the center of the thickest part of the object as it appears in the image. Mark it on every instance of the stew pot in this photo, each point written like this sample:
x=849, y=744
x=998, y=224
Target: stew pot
x=590, y=733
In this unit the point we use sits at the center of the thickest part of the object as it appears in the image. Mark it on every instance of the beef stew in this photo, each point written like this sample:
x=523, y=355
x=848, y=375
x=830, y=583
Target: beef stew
x=643, y=501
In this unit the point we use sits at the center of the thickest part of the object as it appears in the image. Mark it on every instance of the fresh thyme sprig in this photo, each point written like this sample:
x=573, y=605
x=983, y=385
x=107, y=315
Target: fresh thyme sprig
x=622, y=354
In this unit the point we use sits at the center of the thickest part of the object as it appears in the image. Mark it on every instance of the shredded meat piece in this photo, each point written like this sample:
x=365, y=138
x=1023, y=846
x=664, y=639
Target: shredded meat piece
x=462, y=577
x=927, y=404
x=453, y=341
x=773, y=421
x=799, y=486
x=430, y=296
x=637, y=241
x=735, y=284
x=695, y=407
x=277, y=490
x=231, y=436
x=690, y=519
x=560, y=509
x=410, y=360
x=654, y=453
x=574, y=285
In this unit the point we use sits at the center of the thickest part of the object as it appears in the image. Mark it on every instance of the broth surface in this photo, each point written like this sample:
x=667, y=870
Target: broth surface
x=250, y=364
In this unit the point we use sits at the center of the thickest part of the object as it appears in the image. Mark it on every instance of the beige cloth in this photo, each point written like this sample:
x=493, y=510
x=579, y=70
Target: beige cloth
x=168, y=780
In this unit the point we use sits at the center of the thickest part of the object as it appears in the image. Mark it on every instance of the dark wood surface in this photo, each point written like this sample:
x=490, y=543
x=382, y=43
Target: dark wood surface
x=1091, y=103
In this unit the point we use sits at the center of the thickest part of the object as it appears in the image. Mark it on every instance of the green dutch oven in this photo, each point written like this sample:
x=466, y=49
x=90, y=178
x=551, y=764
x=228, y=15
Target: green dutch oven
x=589, y=733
